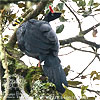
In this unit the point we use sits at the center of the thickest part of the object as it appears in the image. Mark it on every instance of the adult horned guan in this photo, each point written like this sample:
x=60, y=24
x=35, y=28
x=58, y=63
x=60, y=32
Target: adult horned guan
x=37, y=39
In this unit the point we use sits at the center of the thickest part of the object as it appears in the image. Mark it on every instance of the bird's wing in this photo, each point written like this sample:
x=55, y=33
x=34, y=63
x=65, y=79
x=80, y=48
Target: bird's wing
x=37, y=37
x=49, y=32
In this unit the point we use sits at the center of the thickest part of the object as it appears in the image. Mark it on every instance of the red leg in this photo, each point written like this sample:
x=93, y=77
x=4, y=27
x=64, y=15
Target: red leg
x=39, y=64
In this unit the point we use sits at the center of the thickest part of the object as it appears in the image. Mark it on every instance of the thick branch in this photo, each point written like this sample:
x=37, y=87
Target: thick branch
x=32, y=14
x=36, y=12
x=91, y=28
x=79, y=39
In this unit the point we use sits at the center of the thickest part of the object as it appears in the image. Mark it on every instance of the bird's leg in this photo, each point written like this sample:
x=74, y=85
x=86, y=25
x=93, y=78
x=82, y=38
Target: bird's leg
x=39, y=64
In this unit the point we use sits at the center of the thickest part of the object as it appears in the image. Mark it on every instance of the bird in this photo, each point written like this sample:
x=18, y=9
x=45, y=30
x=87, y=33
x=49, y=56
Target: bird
x=37, y=39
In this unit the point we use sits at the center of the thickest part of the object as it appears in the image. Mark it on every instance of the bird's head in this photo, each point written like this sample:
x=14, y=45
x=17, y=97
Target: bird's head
x=52, y=15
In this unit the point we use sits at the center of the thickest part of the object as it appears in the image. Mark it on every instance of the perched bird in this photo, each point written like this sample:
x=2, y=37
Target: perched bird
x=37, y=39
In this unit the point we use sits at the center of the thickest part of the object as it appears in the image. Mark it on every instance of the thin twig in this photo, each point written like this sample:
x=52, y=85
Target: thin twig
x=73, y=14
x=95, y=91
x=89, y=29
x=67, y=53
x=73, y=9
x=84, y=69
x=97, y=55
x=80, y=49
x=79, y=39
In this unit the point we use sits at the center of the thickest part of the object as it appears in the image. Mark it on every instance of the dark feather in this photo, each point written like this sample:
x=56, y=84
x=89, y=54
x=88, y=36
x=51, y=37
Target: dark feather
x=53, y=70
x=37, y=39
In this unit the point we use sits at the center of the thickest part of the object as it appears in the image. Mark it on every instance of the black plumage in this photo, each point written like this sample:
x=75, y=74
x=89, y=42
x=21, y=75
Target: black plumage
x=37, y=39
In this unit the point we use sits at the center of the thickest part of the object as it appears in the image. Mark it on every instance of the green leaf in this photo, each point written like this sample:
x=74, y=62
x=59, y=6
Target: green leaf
x=63, y=11
x=20, y=19
x=60, y=6
x=91, y=98
x=83, y=90
x=21, y=5
x=97, y=77
x=96, y=5
x=83, y=77
x=87, y=13
x=88, y=98
x=93, y=73
x=81, y=3
x=97, y=10
x=90, y=2
x=68, y=94
x=75, y=0
x=74, y=83
x=67, y=69
x=62, y=19
x=13, y=16
x=5, y=38
x=60, y=28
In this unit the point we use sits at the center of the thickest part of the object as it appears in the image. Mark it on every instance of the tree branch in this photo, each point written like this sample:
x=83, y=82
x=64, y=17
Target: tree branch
x=97, y=92
x=73, y=14
x=91, y=28
x=84, y=69
x=79, y=39
x=80, y=49
x=32, y=14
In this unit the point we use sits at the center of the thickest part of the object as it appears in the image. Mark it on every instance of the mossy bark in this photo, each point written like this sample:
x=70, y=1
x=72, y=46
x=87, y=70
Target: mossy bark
x=35, y=83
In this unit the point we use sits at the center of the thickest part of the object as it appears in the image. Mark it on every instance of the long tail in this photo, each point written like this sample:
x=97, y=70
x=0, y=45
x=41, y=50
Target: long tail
x=53, y=70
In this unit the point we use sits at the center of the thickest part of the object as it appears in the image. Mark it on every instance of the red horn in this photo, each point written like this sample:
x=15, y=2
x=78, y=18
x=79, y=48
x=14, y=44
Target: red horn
x=51, y=9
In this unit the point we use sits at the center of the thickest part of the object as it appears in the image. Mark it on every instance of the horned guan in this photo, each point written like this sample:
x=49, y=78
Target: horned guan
x=37, y=39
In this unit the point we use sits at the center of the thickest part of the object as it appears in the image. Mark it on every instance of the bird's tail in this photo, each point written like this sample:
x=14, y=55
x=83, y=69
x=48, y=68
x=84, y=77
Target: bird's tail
x=53, y=70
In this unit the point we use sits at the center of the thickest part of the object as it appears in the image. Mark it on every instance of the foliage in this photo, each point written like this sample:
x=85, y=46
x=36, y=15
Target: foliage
x=69, y=95
x=60, y=28
x=74, y=83
x=97, y=77
x=41, y=91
